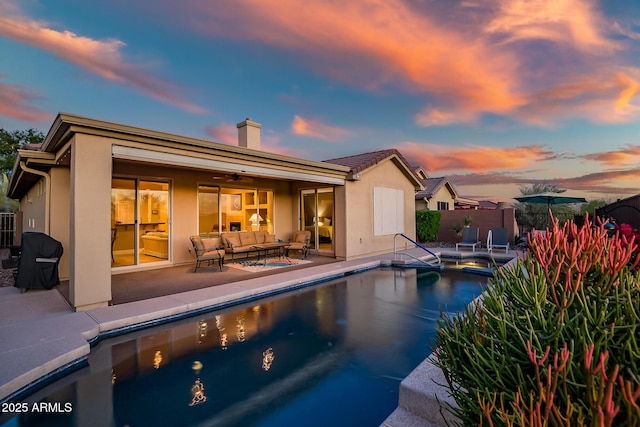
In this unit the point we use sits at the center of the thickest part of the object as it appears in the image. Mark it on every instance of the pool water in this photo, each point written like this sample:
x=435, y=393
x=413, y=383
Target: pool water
x=329, y=354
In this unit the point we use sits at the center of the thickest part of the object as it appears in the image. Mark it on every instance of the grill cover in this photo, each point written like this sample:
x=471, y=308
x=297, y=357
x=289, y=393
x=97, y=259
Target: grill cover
x=38, y=265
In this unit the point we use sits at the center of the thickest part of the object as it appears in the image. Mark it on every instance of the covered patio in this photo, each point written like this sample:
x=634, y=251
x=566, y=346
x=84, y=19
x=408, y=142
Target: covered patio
x=142, y=285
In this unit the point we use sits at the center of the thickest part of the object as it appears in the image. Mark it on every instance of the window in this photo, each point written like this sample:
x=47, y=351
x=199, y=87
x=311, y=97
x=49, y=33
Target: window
x=388, y=211
x=443, y=206
x=223, y=209
x=208, y=210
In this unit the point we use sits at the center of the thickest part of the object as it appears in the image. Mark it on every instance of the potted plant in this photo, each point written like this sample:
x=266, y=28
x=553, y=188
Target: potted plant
x=457, y=229
x=467, y=220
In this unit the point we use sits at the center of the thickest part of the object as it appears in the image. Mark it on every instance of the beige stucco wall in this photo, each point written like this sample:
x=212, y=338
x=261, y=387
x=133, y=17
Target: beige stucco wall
x=359, y=210
x=59, y=217
x=81, y=211
x=90, y=215
x=442, y=195
x=32, y=206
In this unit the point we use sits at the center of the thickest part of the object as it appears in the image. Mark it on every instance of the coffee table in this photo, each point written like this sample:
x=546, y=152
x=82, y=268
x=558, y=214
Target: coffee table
x=263, y=250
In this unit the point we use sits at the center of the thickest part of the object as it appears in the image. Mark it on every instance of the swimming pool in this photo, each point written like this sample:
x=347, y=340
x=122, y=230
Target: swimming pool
x=337, y=350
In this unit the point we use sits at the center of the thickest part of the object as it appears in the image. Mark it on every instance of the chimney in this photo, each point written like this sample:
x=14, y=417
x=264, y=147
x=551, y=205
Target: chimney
x=249, y=134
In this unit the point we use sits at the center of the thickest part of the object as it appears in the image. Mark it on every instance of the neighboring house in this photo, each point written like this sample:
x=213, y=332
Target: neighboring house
x=121, y=198
x=438, y=193
x=464, y=203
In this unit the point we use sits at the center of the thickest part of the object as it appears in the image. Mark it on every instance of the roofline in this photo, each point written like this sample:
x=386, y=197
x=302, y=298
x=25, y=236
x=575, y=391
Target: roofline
x=65, y=125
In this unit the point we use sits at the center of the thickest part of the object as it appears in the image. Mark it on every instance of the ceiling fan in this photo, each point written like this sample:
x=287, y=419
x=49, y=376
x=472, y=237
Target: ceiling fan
x=234, y=177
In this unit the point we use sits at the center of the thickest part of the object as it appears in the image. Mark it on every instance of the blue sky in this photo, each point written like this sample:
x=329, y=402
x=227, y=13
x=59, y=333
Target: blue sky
x=494, y=94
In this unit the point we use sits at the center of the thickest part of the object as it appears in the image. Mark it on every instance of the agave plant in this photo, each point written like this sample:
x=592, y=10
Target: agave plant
x=555, y=338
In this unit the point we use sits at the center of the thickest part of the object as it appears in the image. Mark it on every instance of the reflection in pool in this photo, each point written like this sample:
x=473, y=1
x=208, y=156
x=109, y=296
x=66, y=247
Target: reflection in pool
x=330, y=354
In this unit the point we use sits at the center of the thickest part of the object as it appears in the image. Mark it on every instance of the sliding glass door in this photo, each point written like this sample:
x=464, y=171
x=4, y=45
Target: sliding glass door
x=317, y=217
x=140, y=221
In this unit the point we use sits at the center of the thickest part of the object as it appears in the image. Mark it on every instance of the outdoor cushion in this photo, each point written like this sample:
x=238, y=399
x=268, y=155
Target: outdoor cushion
x=260, y=236
x=211, y=244
x=270, y=238
x=198, y=243
x=247, y=238
x=232, y=239
x=300, y=237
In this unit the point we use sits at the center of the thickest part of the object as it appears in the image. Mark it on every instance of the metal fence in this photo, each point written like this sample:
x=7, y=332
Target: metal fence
x=7, y=229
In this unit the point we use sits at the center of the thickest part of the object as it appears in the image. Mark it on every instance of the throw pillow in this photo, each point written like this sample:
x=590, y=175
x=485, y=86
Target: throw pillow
x=270, y=238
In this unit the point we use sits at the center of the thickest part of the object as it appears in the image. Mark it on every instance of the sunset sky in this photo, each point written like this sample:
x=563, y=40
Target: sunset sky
x=494, y=94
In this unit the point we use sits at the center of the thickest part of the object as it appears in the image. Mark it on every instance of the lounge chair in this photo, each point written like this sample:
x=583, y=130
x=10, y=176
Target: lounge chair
x=498, y=238
x=300, y=242
x=207, y=254
x=470, y=237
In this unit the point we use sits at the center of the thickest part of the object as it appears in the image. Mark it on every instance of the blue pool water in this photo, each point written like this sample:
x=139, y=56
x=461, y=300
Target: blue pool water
x=332, y=354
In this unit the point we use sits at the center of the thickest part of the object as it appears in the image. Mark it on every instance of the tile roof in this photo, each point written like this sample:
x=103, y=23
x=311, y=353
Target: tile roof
x=360, y=162
x=432, y=185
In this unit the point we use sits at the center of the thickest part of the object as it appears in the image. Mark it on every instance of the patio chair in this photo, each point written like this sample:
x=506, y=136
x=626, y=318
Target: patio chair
x=300, y=242
x=498, y=238
x=470, y=237
x=206, y=254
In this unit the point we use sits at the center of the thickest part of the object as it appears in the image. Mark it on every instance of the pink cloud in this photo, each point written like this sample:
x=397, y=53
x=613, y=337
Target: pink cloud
x=376, y=43
x=604, y=99
x=625, y=156
x=100, y=57
x=573, y=22
x=226, y=132
x=317, y=129
x=15, y=103
x=438, y=158
x=468, y=62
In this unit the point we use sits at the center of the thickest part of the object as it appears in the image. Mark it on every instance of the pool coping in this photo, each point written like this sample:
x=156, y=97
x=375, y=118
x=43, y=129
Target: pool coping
x=50, y=340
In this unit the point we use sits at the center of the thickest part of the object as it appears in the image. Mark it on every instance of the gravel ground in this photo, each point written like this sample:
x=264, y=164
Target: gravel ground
x=6, y=277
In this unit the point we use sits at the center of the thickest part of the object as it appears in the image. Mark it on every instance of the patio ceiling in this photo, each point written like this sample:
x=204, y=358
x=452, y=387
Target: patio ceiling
x=253, y=169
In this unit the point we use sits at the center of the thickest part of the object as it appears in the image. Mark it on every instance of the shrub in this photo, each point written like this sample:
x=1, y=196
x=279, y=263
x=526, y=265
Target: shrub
x=427, y=225
x=554, y=339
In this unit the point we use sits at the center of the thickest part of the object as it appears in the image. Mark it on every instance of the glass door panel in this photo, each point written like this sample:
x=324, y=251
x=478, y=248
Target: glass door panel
x=308, y=219
x=208, y=211
x=123, y=222
x=317, y=217
x=324, y=220
x=153, y=209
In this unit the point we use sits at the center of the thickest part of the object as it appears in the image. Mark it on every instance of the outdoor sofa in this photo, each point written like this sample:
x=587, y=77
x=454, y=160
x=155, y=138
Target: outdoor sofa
x=246, y=242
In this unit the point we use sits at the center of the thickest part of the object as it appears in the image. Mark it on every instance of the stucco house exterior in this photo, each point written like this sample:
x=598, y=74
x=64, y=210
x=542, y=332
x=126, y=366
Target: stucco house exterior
x=121, y=198
x=438, y=194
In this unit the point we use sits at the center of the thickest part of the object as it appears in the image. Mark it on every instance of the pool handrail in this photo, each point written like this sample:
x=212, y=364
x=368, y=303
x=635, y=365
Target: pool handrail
x=395, y=252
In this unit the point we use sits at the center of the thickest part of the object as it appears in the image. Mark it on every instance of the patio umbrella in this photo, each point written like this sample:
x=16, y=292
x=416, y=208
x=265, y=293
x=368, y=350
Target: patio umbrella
x=550, y=199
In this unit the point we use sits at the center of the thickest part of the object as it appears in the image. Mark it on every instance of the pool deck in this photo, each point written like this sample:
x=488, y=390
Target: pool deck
x=42, y=337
